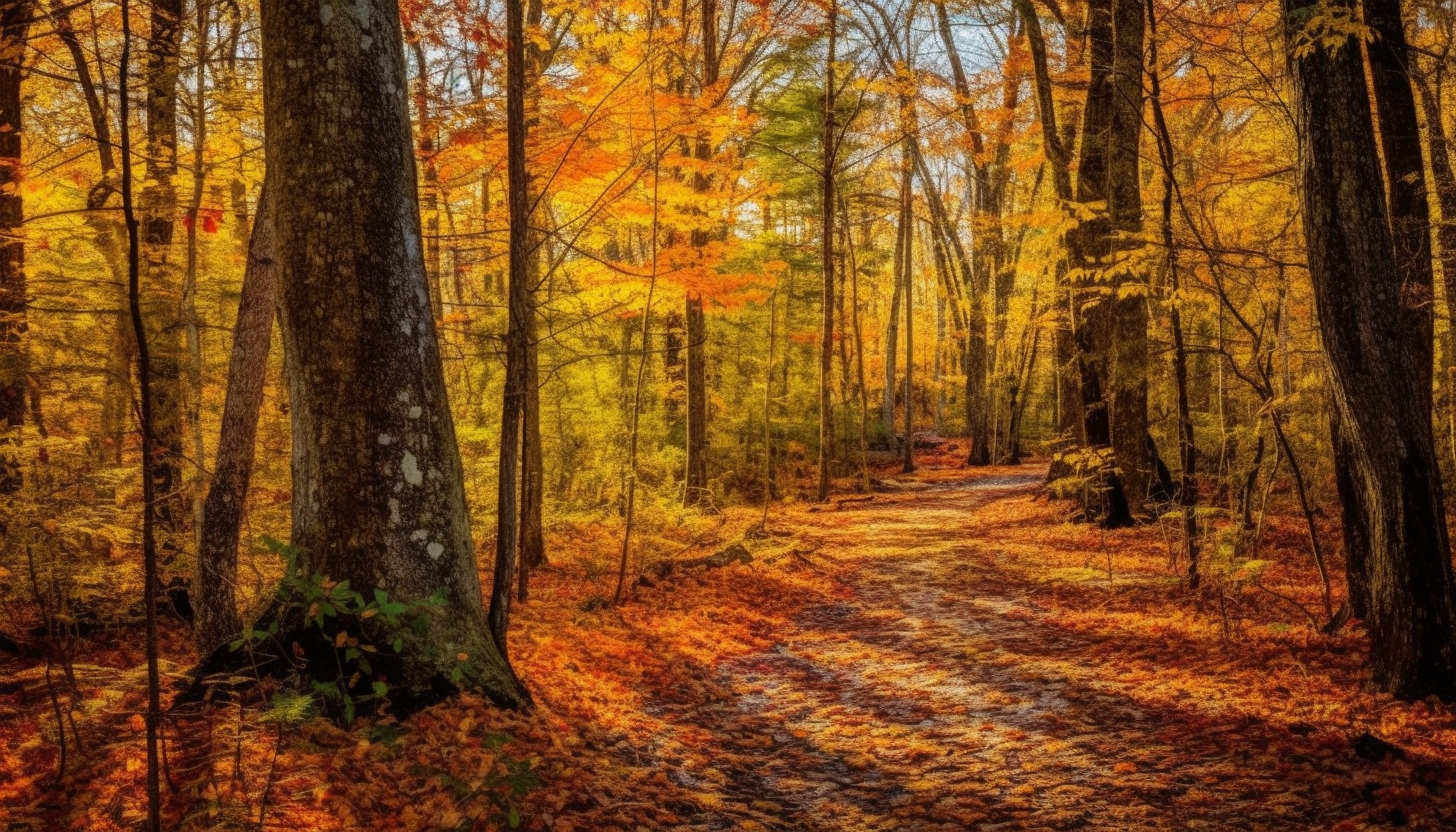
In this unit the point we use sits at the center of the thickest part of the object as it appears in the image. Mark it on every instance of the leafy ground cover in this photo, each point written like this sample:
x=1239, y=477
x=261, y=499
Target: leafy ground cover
x=949, y=653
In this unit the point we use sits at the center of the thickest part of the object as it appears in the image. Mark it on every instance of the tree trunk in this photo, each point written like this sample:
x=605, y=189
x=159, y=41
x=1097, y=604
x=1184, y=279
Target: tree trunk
x=1128, y=380
x=1357, y=282
x=907, y=277
x=116, y=401
x=695, y=492
x=14, y=352
x=532, y=548
x=1405, y=180
x=892, y=329
x=1090, y=249
x=191, y=321
x=1443, y=180
x=222, y=512
x=1064, y=348
x=378, y=489
x=826, y=253
x=518, y=199
x=1187, y=448
x=162, y=279
x=1410, y=223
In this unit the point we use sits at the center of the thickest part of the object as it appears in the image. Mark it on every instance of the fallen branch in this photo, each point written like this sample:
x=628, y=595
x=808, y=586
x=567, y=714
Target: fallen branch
x=737, y=553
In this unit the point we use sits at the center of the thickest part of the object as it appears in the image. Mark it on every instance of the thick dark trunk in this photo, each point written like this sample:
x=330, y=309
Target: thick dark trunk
x=1355, y=272
x=1091, y=251
x=215, y=599
x=1354, y=535
x=378, y=489
x=1405, y=179
x=1410, y=219
x=1127, y=384
x=14, y=352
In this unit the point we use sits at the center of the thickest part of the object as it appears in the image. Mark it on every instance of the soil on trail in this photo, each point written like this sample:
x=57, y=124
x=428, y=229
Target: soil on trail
x=941, y=692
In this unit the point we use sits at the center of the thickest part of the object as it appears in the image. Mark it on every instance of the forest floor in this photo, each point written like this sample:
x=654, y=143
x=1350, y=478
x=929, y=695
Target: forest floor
x=947, y=653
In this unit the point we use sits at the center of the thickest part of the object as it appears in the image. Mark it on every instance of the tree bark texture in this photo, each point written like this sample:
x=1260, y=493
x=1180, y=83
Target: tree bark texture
x=1128, y=362
x=215, y=600
x=14, y=352
x=1405, y=180
x=1090, y=248
x=1357, y=283
x=162, y=278
x=378, y=491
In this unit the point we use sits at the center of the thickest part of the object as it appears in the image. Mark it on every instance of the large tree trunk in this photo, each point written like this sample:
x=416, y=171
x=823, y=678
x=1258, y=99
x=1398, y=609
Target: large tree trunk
x=14, y=353
x=162, y=278
x=215, y=600
x=1357, y=287
x=1090, y=249
x=378, y=490
x=1410, y=221
x=1405, y=179
x=987, y=242
x=1128, y=362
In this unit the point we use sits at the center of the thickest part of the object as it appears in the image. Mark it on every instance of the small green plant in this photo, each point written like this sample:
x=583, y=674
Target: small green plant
x=345, y=627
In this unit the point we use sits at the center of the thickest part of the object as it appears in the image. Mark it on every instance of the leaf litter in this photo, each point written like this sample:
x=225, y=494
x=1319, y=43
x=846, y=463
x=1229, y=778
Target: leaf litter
x=956, y=655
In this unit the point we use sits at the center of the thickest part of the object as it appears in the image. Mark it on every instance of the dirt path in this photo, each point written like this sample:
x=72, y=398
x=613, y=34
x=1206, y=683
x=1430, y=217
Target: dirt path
x=936, y=696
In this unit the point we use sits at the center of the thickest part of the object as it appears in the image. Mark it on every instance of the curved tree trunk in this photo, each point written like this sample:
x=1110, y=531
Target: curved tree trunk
x=215, y=600
x=378, y=490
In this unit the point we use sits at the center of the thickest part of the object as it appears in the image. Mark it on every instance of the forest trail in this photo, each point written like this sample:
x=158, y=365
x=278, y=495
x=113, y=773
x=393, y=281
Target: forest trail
x=949, y=653
x=938, y=694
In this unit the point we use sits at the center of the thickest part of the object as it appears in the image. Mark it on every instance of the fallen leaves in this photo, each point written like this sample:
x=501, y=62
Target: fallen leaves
x=950, y=660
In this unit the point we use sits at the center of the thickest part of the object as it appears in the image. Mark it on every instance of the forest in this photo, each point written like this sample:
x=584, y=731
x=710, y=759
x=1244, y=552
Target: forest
x=727, y=414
